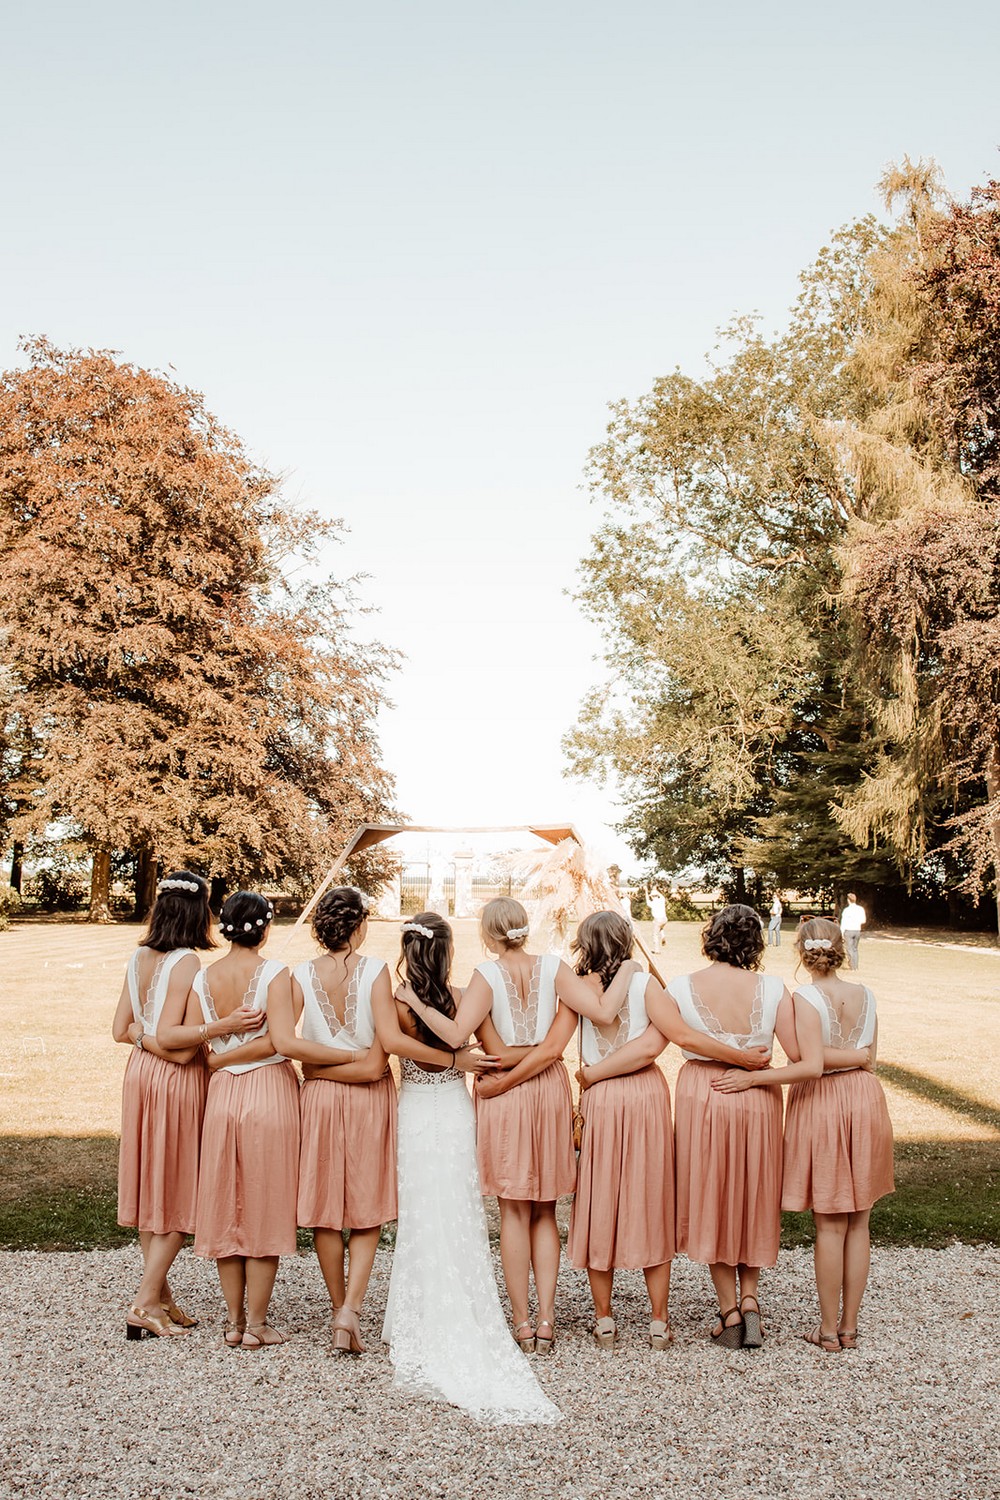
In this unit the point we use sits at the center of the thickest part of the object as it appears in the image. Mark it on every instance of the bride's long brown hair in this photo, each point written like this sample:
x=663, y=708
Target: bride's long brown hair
x=427, y=961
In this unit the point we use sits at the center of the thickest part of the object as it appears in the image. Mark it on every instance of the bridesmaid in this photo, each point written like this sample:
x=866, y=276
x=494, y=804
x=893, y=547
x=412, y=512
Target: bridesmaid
x=347, y=1161
x=838, y=1137
x=728, y=1141
x=623, y=1212
x=250, y=1144
x=517, y=1004
x=163, y=1099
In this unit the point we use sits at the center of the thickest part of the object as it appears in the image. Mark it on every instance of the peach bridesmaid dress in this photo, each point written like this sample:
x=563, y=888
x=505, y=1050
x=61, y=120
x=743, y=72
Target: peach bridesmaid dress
x=838, y=1137
x=728, y=1146
x=250, y=1143
x=162, y=1108
x=347, y=1161
x=623, y=1212
x=525, y=1137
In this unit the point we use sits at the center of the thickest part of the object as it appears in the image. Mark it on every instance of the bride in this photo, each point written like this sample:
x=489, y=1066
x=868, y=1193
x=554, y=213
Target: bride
x=446, y=1332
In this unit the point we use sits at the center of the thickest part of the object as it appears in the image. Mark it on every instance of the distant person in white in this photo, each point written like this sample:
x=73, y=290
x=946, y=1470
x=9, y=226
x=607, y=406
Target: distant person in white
x=774, y=926
x=852, y=919
x=658, y=907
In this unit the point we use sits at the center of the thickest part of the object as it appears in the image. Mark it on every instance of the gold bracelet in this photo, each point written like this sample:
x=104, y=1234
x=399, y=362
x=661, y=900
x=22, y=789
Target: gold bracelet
x=203, y=1031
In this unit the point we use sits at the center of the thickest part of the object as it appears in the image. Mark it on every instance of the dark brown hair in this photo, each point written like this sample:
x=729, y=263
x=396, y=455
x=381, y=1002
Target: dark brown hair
x=428, y=965
x=734, y=936
x=337, y=917
x=820, y=960
x=603, y=942
x=245, y=918
x=179, y=917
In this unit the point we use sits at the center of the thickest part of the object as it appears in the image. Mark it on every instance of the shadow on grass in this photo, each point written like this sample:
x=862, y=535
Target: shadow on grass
x=59, y=1193
x=923, y=1087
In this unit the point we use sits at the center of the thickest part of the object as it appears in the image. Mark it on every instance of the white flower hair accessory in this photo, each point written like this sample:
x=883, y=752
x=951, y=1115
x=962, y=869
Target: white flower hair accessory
x=810, y=943
x=178, y=885
x=417, y=927
x=513, y=933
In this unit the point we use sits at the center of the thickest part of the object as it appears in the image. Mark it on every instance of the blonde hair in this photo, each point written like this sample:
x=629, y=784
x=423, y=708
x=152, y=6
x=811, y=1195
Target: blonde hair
x=497, y=918
x=820, y=960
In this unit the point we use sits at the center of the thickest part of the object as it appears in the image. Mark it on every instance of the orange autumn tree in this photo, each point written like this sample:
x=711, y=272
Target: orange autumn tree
x=172, y=693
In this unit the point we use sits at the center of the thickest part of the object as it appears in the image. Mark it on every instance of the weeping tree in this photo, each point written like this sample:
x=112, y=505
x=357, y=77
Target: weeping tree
x=174, y=692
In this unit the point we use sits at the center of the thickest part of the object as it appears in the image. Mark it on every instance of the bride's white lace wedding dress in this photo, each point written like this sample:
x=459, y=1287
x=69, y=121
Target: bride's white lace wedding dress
x=447, y=1334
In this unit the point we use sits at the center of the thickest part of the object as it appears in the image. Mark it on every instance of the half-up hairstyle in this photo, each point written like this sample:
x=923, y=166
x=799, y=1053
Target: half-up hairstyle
x=337, y=917
x=827, y=952
x=503, y=923
x=245, y=918
x=603, y=942
x=180, y=916
x=427, y=961
x=734, y=936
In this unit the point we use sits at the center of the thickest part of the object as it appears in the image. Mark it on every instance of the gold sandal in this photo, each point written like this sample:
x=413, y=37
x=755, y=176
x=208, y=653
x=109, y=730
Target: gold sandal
x=847, y=1340
x=828, y=1342
x=178, y=1316
x=259, y=1343
x=526, y=1342
x=545, y=1343
x=140, y=1323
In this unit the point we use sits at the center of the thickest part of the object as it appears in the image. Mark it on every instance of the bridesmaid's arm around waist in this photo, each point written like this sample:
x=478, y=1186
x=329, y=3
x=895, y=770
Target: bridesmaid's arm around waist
x=631, y=1058
x=364, y=1067
x=247, y=1052
x=489, y=1040
x=549, y=1050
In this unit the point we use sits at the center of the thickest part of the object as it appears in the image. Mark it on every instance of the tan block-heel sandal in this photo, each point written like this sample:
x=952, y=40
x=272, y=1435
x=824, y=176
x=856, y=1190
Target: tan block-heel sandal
x=545, y=1342
x=140, y=1323
x=178, y=1315
x=661, y=1335
x=605, y=1333
x=347, y=1332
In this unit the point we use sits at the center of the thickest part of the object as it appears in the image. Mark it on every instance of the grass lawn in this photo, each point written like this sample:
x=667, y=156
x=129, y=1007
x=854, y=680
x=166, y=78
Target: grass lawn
x=939, y=1006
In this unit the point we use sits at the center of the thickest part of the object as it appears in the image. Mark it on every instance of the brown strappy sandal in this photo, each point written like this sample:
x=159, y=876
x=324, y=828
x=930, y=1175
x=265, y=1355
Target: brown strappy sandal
x=730, y=1335
x=847, y=1340
x=828, y=1342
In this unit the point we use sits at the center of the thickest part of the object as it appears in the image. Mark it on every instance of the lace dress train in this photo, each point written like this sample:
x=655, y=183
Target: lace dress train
x=447, y=1334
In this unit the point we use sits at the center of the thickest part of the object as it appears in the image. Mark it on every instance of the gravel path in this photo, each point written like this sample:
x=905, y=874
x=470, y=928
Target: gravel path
x=914, y=1412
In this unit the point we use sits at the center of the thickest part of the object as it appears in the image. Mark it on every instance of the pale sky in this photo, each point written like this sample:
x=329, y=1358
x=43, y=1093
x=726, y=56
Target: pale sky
x=411, y=251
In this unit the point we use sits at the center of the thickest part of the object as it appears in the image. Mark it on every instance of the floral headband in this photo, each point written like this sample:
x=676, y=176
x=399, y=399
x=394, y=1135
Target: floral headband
x=178, y=885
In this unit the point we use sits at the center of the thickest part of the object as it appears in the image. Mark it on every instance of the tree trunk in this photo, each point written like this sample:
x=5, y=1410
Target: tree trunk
x=741, y=884
x=217, y=894
x=993, y=792
x=16, y=864
x=145, y=882
x=100, y=886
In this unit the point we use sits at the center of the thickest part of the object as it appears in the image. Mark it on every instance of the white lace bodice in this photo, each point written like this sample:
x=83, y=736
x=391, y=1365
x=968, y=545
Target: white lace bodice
x=255, y=996
x=763, y=1014
x=412, y=1072
x=320, y=1022
x=146, y=1008
x=861, y=1034
x=523, y=1023
x=632, y=1021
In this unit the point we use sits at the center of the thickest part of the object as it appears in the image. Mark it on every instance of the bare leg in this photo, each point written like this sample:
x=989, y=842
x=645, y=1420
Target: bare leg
x=724, y=1281
x=828, y=1258
x=749, y=1281
x=261, y=1272
x=601, y=1287
x=857, y=1263
x=515, y=1253
x=545, y=1252
x=364, y=1243
x=159, y=1254
x=658, y=1287
x=233, y=1280
x=330, y=1253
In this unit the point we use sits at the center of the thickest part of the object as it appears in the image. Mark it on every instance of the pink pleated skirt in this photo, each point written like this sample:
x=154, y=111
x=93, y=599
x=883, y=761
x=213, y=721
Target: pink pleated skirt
x=347, y=1161
x=728, y=1157
x=249, y=1164
x=623, y=1212
x=524, y=1139
x=838, y=1144
x=162, y=1108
